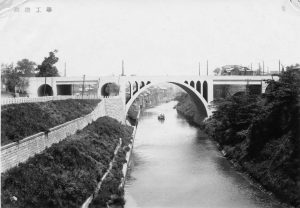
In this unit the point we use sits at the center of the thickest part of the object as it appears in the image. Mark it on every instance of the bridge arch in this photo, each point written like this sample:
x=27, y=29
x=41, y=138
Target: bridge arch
x=199, y=101
x=45, y=90
x=127, y=91
x=142, y=84
x=192, y=83
x=205, y=90
x=198, y=86
x=135, y=87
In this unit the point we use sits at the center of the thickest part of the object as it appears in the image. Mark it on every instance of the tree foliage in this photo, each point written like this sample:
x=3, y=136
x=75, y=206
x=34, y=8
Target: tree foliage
x=26, y=68
x=262, y=134
x=47, y=68
x=13, y=79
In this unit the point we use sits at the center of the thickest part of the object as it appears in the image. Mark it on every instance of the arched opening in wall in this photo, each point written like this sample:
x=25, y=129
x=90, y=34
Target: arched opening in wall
x=205, y=90
x=148, y=82
x=45, y=90
x=142, y=84
x=198, y=86
x=135, y=87
x=110, y=89
x=186, y=82
x=192, y=83
x=128, y=91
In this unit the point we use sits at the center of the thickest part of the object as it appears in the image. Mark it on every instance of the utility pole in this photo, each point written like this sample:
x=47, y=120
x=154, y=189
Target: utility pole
x=45, y=86
x=263, y=67
x=123, y=74
x=65, y=69
x=282, y=68
x=279, y=66
x=83, y=85
x=199, y=70
x=206, y=67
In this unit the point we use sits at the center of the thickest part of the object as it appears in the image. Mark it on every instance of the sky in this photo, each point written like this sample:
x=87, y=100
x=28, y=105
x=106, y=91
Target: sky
x=153, y=37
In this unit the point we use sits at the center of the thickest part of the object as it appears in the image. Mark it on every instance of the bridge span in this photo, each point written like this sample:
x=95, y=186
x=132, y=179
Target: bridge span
x=202, y=89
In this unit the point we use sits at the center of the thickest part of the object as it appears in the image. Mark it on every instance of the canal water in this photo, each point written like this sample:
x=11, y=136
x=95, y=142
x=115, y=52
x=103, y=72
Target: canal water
x=176, y=165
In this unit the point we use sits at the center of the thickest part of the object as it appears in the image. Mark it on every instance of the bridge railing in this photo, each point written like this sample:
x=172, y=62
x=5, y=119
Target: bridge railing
x=7, y=101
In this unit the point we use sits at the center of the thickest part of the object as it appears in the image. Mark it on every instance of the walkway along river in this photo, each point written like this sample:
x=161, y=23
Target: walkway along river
x=175, y=165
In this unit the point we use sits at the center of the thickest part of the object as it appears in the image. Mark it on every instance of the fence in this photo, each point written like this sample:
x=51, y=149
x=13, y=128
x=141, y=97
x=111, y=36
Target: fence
x=7, y=101
x=16, y=152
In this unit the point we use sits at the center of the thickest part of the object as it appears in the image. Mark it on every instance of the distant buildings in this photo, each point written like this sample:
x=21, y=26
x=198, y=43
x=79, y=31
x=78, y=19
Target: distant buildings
x=233, y=70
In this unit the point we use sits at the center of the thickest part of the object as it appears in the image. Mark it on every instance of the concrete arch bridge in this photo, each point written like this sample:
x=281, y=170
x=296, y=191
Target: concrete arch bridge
x=202, y=89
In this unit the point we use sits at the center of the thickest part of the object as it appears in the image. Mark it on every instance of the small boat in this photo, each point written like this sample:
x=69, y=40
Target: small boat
x=161, y=117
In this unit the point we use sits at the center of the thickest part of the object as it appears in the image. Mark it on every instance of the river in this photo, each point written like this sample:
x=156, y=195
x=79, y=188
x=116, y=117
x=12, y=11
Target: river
x=176, y=165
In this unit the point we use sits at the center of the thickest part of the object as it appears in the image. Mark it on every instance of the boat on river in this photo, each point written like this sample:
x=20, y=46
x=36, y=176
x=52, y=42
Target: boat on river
x=161, y=117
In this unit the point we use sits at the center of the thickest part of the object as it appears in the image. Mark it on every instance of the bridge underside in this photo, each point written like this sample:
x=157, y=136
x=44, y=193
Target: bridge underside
x=224, y=91
x=197, y=98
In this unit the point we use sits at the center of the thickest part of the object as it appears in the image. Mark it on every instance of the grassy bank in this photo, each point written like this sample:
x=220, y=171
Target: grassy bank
x=261, y=134
x=67, y=173
x=186, y=108
x=21, y=120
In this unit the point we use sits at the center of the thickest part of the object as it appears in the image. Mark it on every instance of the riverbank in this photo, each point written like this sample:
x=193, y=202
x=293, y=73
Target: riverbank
x=186, y=108
x=67, y=173
x=260, y=136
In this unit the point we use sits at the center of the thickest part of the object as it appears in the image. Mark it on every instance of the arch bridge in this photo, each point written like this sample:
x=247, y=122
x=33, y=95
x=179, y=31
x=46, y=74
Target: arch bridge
x=202, y=89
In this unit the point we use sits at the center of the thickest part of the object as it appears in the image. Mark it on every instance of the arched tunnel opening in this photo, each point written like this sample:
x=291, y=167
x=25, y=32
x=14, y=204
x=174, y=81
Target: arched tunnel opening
x=110, y=89
x=45, y=90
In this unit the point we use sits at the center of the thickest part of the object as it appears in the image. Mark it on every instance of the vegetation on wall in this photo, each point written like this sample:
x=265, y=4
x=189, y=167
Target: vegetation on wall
x=261, y=133
x=22, y=120
x=67, y=173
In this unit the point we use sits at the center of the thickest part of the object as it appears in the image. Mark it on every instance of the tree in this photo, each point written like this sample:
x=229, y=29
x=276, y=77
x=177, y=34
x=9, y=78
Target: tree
x=47, y=68
x=26, y=68
x=12, y=79
x=217, y=71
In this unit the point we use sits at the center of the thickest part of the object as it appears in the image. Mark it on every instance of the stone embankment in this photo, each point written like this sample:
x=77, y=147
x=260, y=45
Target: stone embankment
x=17, y=152
x=87, y=165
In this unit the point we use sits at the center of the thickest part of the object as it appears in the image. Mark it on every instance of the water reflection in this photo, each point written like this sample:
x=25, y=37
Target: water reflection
x=176, y=165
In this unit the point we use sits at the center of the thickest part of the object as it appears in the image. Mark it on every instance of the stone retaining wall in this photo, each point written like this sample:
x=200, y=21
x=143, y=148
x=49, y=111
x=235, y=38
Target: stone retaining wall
x=14, y=153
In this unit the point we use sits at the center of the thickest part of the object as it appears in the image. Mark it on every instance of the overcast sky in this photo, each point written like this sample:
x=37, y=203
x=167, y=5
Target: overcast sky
x=154, y=37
